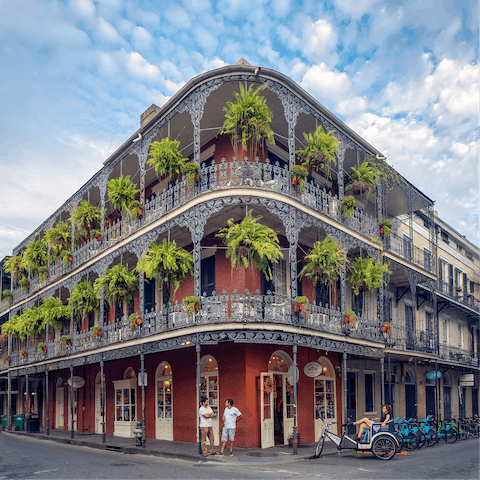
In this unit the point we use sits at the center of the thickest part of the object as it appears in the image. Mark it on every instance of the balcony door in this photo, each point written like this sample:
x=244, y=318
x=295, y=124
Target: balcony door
x=164, y=402
x=266, y=410
x=409, y=326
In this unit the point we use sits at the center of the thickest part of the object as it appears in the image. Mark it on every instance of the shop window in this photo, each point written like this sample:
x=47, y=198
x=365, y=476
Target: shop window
x=369, y=401
x=209, y=382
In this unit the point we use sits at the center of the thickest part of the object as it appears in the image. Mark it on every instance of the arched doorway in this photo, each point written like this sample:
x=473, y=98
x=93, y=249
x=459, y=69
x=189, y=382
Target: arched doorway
x=125, y=404
x=410, y=396
x=281, y=397
x=325, y=397
x=164, y=402
x=59, y=404
x=447, y=397
x=210, y=389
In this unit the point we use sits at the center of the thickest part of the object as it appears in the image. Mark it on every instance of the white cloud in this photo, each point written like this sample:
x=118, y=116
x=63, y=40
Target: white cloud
x=207, y=41
x=197, y=6
x=355, y=9
x=106, y=32
x=280, y=7
x=213, y=64
x=141, y=38
x=326, y=83
x=138, y=67
x=178, y=17
x=319, y=40
x=84, y=9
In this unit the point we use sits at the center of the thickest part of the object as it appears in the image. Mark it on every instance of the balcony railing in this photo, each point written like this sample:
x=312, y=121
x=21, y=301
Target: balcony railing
x=404, y=338
x=214, y=310
x=404, y=247
x=461, y=296
x=460, y=355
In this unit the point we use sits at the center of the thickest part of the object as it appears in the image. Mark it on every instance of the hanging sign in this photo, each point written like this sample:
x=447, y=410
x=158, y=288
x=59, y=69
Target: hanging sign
x=467, y=377
x=78, y=382
x=433, y=374
x=312, y=369
x=290, y=374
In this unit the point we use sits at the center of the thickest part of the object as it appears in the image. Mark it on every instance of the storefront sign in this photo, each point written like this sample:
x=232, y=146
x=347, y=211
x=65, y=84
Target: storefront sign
x=312, y=369
x=433, y=374
x=466, y=384
x=467, y=377
x=290, y=374
x=78, y=382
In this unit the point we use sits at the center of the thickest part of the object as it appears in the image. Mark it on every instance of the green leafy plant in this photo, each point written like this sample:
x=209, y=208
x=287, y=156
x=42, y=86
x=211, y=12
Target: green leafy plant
x=320, y=150
x=66, y=340
x=348, y=203
x=324, y=262
x=54, y=312
x=122, y=193
x=387, y=328
x=24, y=284
x=12, y=327
x=385, y=227
x=363, y=179
x=135, y=319
x=299, y=174
x=59, y=238
x=166, y=158
x=35, y=255
x=190, y=170
x=350, y=317
x=364, y=273
x=384, y=174
x=7, y=295
x=248, y=119
x=192, y=304
x=251, y=244
x=167, y=263
x=66, y=257
x=15, y=266
x=84, y=299
x=86, y=217
x=301, y=304
x=42, y=272
x=118, y=284
x=41, y=347
x=96, y=332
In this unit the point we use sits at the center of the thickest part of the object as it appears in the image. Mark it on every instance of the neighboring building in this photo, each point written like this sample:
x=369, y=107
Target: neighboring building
x=246, y=334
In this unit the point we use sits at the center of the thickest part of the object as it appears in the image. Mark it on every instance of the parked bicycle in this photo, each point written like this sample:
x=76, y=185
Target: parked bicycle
x=405, y=435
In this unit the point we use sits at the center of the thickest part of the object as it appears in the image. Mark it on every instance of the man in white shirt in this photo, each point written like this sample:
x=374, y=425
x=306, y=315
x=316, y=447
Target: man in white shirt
x=231, y=416
x=206, y=415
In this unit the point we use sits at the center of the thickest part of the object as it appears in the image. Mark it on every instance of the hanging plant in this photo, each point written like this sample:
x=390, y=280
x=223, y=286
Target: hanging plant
x=14, y=328
x=299, y=175
x=59, y=238
x=54, y=312
x=190, y=170
x=385, y=227
x=192, y=304
x=66, y=340
x=7, y=295
x=166, y=263
x=84, y=299
x=42, y=272
x=86, y=218
x=135, y=319
x=364, y=273
x=248, y=119
x=350, y=317
x=387, y=328
x=96, y=332
x=23, y=282
x=348, y=203
x=122, y=193
x=118, y=284
x=41, y=347
x=251, y=244
x=35, y=255
x=166, y=158
x=363, y=180
x=320, y=150
x=16, y=267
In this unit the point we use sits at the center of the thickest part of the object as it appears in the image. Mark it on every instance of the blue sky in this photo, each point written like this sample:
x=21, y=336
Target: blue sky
x=76, y=75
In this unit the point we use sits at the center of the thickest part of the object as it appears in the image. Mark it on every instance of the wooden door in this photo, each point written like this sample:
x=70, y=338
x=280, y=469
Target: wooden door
x=266, y=410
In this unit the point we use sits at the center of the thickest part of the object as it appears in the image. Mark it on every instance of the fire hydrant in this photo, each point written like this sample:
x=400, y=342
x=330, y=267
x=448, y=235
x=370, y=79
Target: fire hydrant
x=138, y=434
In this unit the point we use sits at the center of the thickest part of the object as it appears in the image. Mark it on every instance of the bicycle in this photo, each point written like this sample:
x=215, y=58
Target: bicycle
x=407, y=438
x=447, y=432
x=381, y=442
x=429, y=428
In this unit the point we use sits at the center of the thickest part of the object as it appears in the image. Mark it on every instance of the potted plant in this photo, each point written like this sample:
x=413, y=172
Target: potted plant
x=251, y=244
x=6, y=357
x=135, y=319
x=23, y=282
x=122, y=193
x=41, y=347
x=23, y=354
x=299, y=174
x=166, y=158
x=320, y=150
x=96, y=332
x=118, y=284
x=66, y=340
x=387, y=328
x=348, y=203
x=86, y=218
x=364, y=273
x=83, y=300
x=363, y=180
x=350, y=317
x=192, y=304
x=42, y=272
x=7, y=295
x=324, y=262
x=385, y=227
x=166, y=262
x=290, y=439
x=97, y=234
x=248, y=119
x=190, y=170
x=66, y=257
x=459, y=288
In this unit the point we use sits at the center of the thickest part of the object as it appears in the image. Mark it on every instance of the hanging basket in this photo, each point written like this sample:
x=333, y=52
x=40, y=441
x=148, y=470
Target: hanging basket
x=138, y=320
x=99, y=238
x=139, y=211
x=294, y=180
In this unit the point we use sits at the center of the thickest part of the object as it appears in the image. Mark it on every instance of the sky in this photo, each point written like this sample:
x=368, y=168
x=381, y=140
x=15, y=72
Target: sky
x=75, y=75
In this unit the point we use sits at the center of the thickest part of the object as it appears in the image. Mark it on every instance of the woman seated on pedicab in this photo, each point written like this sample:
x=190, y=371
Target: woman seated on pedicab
x=366, y=424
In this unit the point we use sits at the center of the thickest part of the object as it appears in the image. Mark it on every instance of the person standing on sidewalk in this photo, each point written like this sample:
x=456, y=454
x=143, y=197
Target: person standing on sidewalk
x=231, y=416
x=206, y=415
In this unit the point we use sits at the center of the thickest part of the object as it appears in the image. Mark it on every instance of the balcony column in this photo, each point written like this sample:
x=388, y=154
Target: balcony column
x=141, y=292
x=102, y=401
x=435, y=325
x=48, y=401
x=341, y=182
x=141, y=150
x=293, y=269
x=102, y=308
x=9, y=399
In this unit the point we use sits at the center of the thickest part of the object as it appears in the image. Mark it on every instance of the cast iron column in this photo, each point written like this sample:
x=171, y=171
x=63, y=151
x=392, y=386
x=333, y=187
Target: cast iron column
x=48, y=409
x=72, y=426
x=295, y=438
x=9, y=401
x=345, y=387
x=382, y=374
x=199, y=389
x=142, y=370
x=27, y=426
x=102, y=403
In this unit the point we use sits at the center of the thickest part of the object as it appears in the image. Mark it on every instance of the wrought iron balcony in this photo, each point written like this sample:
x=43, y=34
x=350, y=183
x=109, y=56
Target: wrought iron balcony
x=461, y=296
x=417, y=339
x=404, y=247
x=460, y=355
x=216, y=310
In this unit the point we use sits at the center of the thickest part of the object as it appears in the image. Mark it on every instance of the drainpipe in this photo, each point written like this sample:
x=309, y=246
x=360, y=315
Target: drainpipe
x=102, y=403
x=295, y=438
x=416, y=405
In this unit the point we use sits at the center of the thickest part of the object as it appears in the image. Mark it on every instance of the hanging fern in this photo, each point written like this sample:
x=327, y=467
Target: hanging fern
x=35, y=255
x=320, y=150
x=86, y=218
x=15, y=266
x=324, y=262
x=166, y=157
x=118, y=284
x=167, y=263
x=122, y=193
x=84, y=299
x=12, y=327
x=251, y=244
x=54, y=312
x=365, y=273
x=248, y=119
x=363, y=179
x=59, y=238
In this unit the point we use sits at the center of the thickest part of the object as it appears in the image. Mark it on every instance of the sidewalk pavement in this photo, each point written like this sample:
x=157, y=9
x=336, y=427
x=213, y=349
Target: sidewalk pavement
x=179, y=450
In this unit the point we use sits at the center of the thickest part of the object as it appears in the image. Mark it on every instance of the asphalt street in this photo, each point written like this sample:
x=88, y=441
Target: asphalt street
x=25, y=457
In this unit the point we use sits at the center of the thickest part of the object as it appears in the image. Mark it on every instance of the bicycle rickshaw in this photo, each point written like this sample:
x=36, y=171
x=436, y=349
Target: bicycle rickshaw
x=381, y=441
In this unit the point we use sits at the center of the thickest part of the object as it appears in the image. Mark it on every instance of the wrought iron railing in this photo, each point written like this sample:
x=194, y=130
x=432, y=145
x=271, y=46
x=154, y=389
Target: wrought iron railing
x=460, y=355
x=460, y=295
x=221, y=309
x=404, y=247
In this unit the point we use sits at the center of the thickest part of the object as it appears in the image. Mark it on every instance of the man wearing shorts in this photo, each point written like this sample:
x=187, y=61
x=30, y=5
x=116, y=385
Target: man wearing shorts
x=231, y=416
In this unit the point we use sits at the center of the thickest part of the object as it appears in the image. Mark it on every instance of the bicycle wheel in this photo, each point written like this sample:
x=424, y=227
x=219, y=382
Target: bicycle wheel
x=319, y=447
x=384, y=448
x=468, y=431
x=410, y=441
x=399, y=438
x=461, y=433
x=451, y=435
x=422, y=440
x=432, y=438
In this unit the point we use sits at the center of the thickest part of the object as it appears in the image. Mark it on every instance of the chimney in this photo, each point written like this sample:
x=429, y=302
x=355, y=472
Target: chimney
x=148, y=114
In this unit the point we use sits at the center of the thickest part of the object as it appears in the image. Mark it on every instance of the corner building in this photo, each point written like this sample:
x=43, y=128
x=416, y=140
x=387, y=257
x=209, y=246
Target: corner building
x=246, y=335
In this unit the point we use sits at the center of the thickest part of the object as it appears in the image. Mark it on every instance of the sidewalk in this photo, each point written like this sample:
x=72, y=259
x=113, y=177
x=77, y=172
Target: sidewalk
x=180, y=450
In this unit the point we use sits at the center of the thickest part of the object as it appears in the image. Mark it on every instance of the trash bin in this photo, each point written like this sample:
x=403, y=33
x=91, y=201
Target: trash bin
x=33, y=423
x=4, y=421
x=19, y=422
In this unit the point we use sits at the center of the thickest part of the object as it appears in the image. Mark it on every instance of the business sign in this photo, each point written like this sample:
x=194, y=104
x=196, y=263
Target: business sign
x=78, y=382
x=466, y=384
x=467, y=377
x=433, y=374
x=312, y=369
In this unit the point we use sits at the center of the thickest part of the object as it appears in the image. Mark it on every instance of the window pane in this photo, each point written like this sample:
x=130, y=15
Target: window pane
x=119, y=414
x=126, y=400
x=133, y=396
x=119, y=397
